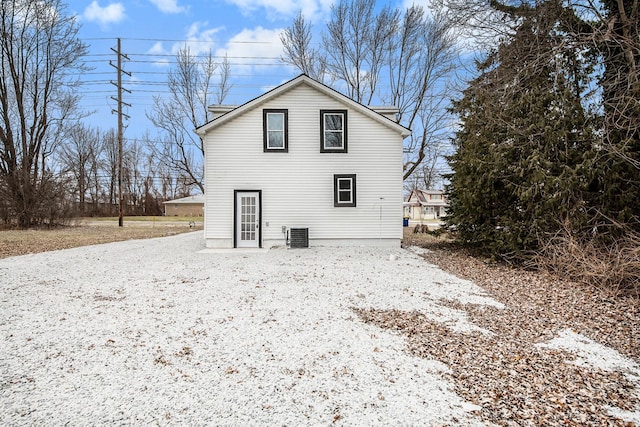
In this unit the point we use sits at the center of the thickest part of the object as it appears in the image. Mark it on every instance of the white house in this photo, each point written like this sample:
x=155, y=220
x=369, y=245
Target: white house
x=300, y=161
x=426, y=204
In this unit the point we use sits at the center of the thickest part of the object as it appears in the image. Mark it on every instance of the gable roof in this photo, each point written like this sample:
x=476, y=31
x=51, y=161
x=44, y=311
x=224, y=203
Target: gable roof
x=297, y=81
x=422, y=197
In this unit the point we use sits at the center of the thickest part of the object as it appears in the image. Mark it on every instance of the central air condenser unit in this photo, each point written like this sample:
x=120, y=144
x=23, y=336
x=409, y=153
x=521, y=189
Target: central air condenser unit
x=299, y=238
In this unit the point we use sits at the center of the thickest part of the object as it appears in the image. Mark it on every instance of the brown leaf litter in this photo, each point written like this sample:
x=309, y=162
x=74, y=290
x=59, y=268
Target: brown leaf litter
x=513, y=381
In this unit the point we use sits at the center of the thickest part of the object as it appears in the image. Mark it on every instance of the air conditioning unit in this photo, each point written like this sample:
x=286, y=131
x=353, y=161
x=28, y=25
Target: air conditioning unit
x=299, y=238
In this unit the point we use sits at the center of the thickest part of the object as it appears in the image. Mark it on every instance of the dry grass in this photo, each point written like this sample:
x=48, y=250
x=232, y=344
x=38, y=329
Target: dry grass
x=613, y=267
x=89, y=232
x=411, y=238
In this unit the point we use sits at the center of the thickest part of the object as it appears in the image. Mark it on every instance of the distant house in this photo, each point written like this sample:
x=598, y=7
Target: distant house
x=426, y=204
x=303, y=160
x=186, y=206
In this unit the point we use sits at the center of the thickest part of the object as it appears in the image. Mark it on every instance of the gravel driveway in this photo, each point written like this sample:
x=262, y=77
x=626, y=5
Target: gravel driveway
x=165, y=332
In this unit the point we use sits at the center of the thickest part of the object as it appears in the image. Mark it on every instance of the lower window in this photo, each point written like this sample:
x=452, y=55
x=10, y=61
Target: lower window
x=344, y=190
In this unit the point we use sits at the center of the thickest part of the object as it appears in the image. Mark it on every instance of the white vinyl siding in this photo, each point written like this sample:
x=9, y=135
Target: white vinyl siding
x=298, y=189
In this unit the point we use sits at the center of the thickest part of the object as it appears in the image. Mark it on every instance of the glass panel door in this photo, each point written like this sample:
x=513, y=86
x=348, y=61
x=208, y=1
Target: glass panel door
x=247, y=219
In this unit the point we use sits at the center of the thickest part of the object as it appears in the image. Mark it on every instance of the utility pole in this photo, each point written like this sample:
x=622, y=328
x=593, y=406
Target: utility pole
x=120, y=102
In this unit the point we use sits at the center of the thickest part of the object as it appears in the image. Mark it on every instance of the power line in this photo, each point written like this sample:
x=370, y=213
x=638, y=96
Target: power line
x=261, y=64
x=173, y=55
x=195, y=41
x=164, y=73
x=173, y=40
x=92, y=82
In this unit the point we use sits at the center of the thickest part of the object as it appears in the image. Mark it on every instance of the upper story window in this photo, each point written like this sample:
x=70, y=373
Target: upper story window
x=275, y=130
x=333, y=131
x=344, y=190
x=436, y=197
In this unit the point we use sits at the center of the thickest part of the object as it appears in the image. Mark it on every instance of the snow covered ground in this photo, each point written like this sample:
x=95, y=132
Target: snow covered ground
x=163, y=331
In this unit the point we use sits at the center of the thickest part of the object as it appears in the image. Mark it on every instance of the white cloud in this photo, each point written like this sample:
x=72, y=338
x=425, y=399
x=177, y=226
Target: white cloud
x=200, y=39
x=313, y=10
x=252, y=48
x=169, y=6
x=158, y=49
x=111, y=14
x=249, y=51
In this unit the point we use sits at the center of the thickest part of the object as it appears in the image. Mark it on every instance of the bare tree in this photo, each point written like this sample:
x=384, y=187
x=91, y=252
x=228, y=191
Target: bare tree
x=224, y=86
x=132, y=176
x=300, y=53
x=407, y=60
x=617, y=35
x=40, y=52
x=78, y=158
x=355, y=45
x=421, y=68
x=95, y=181
x=109, y=162
x=190, y=84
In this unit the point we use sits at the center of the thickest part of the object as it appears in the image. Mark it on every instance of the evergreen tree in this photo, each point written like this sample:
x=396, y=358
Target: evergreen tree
x=525, y=142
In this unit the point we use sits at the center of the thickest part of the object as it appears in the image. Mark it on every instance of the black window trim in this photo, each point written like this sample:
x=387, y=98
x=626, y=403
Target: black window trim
x=265, y=137
x=343, y=149
x=336, y=202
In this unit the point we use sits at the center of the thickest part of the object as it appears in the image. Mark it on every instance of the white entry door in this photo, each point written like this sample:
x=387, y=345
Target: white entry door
x=247, y=219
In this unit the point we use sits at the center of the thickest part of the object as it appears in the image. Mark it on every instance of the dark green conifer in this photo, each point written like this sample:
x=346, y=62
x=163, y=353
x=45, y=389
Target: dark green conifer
x=525, y=142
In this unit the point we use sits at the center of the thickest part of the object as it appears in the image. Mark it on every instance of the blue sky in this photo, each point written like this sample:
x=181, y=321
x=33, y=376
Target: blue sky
x=151, y=31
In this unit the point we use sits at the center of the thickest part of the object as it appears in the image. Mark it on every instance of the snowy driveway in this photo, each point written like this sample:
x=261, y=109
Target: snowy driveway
x=162, y=331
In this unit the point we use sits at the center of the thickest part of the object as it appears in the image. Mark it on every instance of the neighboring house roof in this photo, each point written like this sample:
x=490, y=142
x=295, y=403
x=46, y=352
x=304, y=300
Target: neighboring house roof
x=422, y=197
x=304, y=79
x=198, y=198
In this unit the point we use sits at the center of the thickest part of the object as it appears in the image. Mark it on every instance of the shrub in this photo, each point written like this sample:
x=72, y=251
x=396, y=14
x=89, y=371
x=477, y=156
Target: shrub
x=595, y=259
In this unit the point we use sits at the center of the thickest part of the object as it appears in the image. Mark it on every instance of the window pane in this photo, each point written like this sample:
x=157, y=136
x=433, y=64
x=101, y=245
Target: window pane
x=333, y=121
x=344, y=190
x=333, y=139
x=276, y=139
x=275, y=121
x=344, y=196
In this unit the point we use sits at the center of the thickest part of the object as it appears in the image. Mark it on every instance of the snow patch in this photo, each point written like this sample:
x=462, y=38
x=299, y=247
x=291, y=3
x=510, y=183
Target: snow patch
x=593, y=355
